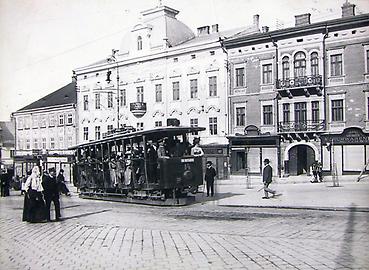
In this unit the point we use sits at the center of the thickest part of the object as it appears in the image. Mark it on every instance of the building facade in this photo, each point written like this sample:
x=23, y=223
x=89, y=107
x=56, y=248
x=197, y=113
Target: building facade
x=6, y=144
x=301, y=94
x=44, y=130
x=161, y=71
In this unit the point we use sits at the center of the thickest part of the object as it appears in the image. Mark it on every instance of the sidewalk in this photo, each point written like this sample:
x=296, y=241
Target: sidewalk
x=297, y=193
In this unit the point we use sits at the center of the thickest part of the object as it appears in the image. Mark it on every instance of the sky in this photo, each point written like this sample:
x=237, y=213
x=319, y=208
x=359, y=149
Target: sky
x=42, y=41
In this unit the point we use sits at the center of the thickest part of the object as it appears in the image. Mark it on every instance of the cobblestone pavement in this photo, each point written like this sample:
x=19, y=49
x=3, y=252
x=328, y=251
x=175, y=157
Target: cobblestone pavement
x=106, y=235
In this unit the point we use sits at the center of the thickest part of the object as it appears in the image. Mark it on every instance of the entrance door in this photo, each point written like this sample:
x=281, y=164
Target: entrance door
x=300, y=159
x=239, y=164
x=300, y=116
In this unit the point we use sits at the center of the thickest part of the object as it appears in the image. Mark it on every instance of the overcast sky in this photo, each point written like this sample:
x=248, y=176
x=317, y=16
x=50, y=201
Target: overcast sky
x=42, y=41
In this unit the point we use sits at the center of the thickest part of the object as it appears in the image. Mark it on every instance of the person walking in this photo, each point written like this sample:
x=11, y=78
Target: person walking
x=51, y=193
x=317, y=171
x=210, y=174
x=60, y=179
x=34, y=205
x=267, y=179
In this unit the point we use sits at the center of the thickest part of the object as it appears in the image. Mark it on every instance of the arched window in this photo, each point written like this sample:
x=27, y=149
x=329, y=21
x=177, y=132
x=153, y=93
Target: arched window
x=314, y=60
x=139, y=43
x=300, y=64
x=285, y=67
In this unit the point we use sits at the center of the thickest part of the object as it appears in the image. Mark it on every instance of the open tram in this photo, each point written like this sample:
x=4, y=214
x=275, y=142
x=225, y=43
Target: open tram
x=150, y=167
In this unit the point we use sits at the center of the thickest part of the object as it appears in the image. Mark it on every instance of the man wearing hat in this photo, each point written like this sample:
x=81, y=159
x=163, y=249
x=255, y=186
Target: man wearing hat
x=51, y=193
x=210, y=173
x=267, y=178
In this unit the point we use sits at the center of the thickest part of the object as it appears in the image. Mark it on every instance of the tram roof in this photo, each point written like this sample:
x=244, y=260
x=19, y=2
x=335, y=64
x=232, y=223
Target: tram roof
x=151, y=134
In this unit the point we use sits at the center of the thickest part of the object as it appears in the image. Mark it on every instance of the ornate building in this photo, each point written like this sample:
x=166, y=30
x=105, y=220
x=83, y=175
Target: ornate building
x=297, y=90
x=161, y=71
x=44, y=130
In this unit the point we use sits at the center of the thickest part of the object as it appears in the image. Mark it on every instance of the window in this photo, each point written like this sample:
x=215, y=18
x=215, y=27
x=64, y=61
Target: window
x=240, y=116
x=175, y=90
x=175, y=59
x=20, y=123
x=70, y=141
x=61, y=142
x=193, y=88
x=123, y=98
x=285, y=68
x=35, y=144
x=52, y=143
x=300, y=64
x=158, y=123
x=158, y=93
x=267, y=115
x=267, y=73
x=43, y=143
x=286, y=113
x=43, y=120
x=97, y=101
x=110, y=100
x=212, y=52
x=27, y=122
x=139, y=43
x=337, y=110
x=315, y=111
x=35, y=121
x=51, y=120
x=367, y=61
x=85, y=102
x=193, y=56
x=213, y=126
x=194, y=123
x=69, y=118
x=85, y=133
x=314, y=62
x=140, y=126
x=97, y=133
x=28, y=144
x=336, y=65
x=61, y=119
x=240, y=77
x=110, y=128
x=212, y=86
x=140, y=94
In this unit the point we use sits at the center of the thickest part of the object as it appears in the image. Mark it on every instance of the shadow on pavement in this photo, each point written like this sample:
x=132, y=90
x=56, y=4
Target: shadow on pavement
x=202, y=198
x=345, y=257
x=86, y=214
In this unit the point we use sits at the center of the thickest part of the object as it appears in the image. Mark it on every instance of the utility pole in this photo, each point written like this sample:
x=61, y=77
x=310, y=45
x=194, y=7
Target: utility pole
x=114, y=59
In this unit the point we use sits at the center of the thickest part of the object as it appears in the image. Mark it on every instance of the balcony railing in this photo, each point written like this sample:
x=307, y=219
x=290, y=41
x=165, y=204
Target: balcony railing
x=315, y=80
x=138, y=108
x=303, y=126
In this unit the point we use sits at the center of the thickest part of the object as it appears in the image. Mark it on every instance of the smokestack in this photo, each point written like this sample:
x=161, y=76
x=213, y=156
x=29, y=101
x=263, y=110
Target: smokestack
x=348, y=10
x=215, y=28
x=256, y=21
x=203, y=30
x=265, y=29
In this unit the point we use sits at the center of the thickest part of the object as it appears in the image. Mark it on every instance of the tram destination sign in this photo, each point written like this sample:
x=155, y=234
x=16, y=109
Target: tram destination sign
x=187, y=160
x=351, y=135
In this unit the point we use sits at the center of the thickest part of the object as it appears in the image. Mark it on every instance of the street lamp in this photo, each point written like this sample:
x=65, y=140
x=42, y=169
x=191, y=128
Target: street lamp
x=112, y=58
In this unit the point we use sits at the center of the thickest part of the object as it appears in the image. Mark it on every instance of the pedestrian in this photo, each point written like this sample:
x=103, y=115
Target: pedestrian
x=317, y=171
x=51, y=193
x=23, y=183
x=61, y=183
x=267, y=179
x=2, y=183
x=210, y=174
x=34, y=205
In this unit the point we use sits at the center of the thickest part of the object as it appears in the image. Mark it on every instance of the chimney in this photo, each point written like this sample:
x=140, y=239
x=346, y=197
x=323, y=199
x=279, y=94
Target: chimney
x=303, y=19
x=215, y=28
x=256, y=21
x=203, y=30
x=265, y=29
x=348, y=10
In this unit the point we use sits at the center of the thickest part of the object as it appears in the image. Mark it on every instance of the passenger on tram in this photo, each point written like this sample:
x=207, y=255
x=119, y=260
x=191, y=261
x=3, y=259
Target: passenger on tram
x=162, y=153
x=152, y=158
x=196, y=149
x=120, y=168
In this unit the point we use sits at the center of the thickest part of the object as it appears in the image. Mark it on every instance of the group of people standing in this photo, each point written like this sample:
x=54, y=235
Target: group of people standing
x=40, y=192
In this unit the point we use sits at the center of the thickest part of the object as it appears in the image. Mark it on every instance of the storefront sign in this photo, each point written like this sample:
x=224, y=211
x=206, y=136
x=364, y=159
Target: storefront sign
x=57, y=159
x=351, y=135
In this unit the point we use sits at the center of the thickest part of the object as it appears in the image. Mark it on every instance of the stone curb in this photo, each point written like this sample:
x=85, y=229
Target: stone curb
x=318, y=208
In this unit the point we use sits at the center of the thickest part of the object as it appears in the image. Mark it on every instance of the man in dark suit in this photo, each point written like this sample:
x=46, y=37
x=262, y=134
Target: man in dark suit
x=210, y=174
x=51, y=193
x=267, y=178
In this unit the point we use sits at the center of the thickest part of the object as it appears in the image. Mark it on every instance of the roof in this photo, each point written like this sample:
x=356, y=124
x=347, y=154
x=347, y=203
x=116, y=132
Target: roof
x=65, y=95
x=150, y=134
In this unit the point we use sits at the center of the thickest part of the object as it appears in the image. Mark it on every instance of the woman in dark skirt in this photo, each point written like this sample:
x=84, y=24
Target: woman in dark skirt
x=34, y=205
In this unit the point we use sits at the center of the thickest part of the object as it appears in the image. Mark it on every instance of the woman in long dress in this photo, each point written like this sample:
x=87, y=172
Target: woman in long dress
x=34, y=205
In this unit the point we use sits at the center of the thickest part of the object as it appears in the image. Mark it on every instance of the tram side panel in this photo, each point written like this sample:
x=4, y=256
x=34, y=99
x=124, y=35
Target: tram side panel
x=180, y=172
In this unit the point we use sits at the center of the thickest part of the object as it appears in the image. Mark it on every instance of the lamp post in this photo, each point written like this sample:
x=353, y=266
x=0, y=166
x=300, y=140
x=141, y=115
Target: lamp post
x=112, y=58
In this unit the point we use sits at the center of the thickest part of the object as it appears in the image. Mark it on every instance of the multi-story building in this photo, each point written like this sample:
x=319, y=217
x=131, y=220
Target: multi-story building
x=297, y=90
x=44, y=130
x=161, y=71
x=6, y=144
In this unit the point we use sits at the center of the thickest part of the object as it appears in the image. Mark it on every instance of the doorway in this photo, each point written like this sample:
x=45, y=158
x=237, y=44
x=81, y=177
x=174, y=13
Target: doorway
x=300, y=159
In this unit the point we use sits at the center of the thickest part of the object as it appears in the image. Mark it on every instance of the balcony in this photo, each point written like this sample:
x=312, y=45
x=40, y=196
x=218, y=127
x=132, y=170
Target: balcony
x=138, y=108
x=304, y=126
x=299, y=82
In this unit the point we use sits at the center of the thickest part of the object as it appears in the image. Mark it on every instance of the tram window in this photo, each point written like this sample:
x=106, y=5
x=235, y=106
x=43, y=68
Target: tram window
x=158, y=123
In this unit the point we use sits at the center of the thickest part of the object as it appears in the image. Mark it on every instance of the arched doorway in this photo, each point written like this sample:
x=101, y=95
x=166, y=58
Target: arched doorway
x=300, y=158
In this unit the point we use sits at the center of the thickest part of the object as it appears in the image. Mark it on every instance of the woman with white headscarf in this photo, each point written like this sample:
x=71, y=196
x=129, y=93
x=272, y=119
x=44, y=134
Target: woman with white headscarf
x=34, y=205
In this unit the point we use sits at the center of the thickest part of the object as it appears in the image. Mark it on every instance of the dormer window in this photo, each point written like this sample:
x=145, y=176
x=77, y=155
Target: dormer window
x=139, y=43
